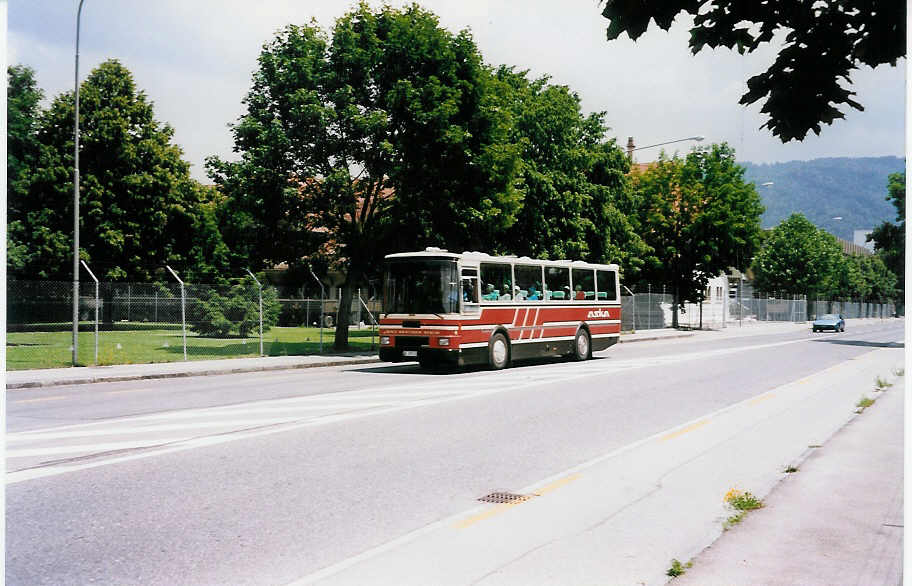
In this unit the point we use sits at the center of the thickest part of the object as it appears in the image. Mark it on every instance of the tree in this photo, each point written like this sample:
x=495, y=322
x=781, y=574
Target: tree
x=23, y=150
x=880, y=281
x=139, y=208
x=825, y=41
x=890, y=239
x=798, y=258
x=572, y=179
x=699, y=217
x=377, y=139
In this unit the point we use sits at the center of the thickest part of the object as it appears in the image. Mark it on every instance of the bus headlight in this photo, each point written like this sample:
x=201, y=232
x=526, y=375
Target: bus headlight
x=443, y=341
x=384, y=340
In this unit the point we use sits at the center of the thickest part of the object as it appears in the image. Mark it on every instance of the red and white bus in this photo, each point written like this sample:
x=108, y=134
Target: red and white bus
x=441, y=307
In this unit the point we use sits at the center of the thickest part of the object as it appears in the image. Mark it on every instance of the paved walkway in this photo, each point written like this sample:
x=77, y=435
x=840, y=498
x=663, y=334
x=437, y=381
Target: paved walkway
x=23, y=379
x=837, y=520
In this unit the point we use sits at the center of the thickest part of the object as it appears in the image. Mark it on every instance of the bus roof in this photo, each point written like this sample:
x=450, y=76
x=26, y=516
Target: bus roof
x=434, y=252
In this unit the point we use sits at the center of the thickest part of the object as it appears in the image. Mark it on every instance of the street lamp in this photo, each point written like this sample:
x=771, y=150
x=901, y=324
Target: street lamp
x=631, y=147
x=76, y=200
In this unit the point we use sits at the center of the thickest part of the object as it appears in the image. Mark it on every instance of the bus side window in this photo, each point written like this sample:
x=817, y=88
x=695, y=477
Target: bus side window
x=557, y=282
x=583, y=284
x=528, y=282
x=607, y=285
x=497, y=281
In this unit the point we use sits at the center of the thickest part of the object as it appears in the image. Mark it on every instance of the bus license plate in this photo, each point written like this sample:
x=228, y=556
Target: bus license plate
x=410, y=353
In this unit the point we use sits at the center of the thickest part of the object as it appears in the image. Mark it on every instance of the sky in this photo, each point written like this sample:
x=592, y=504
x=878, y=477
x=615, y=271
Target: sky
x=194, y=60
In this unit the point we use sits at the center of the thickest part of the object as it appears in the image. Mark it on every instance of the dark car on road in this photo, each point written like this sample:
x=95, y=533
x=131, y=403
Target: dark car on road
x=829, y=321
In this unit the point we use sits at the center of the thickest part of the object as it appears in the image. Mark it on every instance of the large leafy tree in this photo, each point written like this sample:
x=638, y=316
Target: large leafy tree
x=139, y=208
x=23, y=108
x=825, y=42
x=799, y=258
x=699, y=217
x=889, y=238
x=378, y=137
x=575, y=183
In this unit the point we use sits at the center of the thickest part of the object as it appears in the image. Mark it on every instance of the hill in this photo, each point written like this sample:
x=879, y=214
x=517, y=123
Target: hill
x=854, y=189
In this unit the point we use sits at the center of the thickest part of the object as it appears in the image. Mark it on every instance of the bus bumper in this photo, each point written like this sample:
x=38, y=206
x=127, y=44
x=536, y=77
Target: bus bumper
x=442, y=356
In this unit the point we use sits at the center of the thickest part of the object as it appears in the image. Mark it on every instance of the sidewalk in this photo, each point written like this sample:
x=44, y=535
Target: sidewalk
x=22, y=379
x=837, y=520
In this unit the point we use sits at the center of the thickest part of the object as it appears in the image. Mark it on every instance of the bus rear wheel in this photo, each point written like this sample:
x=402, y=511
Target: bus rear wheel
x=582, y=346
x=498, y=352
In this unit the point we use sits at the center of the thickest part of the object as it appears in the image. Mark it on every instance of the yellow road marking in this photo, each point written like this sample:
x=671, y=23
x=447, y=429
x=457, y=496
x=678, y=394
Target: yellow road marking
x=681, y=432
x=40, y=399
x=131, y=391
x=494, y=511
x=766, y=397
x=555, y=485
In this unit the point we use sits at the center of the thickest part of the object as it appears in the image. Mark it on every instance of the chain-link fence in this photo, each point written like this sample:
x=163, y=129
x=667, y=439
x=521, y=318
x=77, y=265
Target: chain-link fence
x=652, y=309
x=124, y=323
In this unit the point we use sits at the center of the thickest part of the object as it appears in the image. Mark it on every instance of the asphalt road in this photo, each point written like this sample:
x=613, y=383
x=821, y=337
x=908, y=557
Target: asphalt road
x=265, y=478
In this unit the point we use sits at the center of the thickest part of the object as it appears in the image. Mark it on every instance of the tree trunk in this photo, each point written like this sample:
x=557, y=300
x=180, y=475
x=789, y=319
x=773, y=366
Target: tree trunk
x=343, y=317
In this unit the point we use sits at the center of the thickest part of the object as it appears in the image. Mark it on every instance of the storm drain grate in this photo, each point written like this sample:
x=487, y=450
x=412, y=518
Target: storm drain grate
x=505, y=497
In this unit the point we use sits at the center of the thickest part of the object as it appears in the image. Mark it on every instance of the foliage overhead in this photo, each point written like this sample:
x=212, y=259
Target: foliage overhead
x=139, y=208
x=374, y=139
x=825, y=42
x=698, y=216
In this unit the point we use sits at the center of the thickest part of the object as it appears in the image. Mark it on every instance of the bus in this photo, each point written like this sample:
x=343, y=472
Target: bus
x=457, y=309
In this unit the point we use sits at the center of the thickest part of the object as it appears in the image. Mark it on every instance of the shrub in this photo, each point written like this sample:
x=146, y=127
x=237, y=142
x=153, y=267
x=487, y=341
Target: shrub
x=217, y=315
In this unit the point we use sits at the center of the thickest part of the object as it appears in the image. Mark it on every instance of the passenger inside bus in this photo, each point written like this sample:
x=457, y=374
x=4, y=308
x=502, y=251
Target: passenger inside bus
x=491, y=294
x=533, y=293
x=506, y=292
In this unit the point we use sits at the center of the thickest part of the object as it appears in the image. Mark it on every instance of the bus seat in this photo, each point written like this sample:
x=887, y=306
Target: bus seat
x=590, y=294
x=556, y=294
x=603, y=295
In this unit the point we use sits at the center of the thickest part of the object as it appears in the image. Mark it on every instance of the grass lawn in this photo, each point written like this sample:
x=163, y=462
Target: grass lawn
x=26, y=350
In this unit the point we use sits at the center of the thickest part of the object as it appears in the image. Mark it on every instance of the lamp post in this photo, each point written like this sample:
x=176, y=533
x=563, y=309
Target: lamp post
x=76, y=199
x=631, y=147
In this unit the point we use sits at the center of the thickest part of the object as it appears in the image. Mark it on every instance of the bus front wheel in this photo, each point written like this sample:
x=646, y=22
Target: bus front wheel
x=498, y=352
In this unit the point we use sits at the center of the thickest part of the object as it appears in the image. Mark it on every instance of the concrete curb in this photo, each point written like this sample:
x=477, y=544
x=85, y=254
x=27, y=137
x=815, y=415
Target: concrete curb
x=162, y=375
x=653, y=338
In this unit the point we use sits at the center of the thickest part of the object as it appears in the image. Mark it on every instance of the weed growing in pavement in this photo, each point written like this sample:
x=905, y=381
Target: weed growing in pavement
x=741, y=502
x=790, y=470
x=677, y=568
x=899, y=372
x=733, y=520
x=863, y=404
x=882, y=384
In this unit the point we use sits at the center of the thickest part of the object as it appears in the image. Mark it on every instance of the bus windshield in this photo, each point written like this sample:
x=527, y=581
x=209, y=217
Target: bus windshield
x=421, y=286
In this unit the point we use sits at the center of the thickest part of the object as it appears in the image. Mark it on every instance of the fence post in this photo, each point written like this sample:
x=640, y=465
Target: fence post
x=649, y=306
x=183, y=309
x=371, y=315
x=322, y=295
x=260, y=288
x=91, y=274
